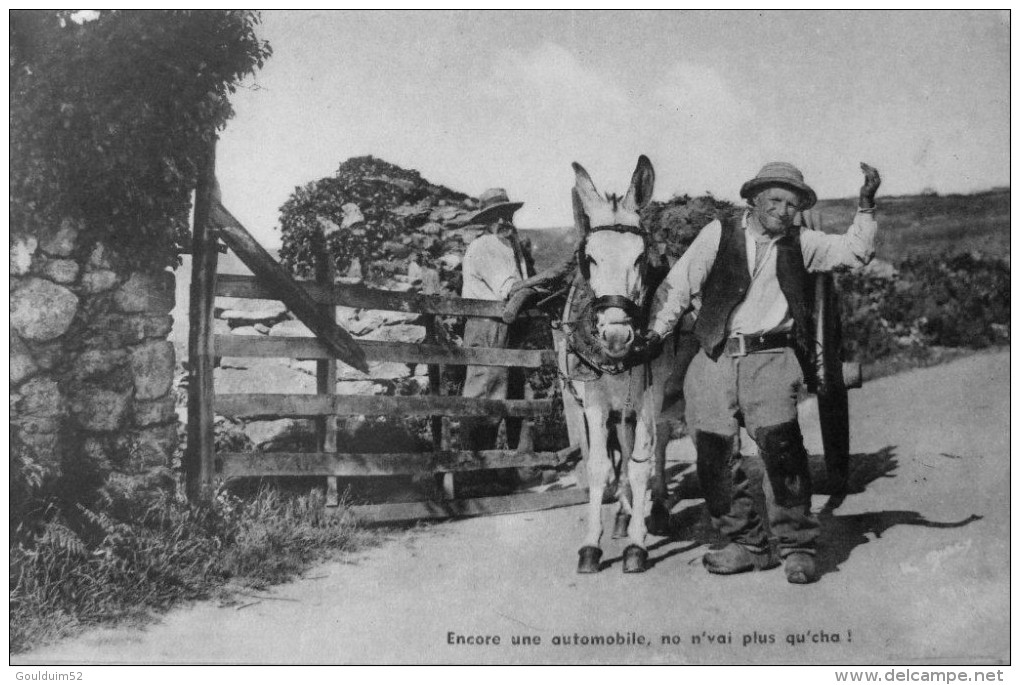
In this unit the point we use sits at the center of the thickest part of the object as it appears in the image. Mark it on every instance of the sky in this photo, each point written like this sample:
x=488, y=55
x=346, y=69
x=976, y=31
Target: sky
x=474, y=100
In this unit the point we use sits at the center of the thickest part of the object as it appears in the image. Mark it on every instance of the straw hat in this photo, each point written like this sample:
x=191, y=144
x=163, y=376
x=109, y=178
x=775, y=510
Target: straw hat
x=494, y=204
x=779, y=174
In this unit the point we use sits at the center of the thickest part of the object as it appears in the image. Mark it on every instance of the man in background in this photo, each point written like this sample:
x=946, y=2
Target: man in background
x=493, y=264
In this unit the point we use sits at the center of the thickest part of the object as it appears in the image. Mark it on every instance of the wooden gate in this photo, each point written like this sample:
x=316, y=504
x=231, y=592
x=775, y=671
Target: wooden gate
x=314, y=302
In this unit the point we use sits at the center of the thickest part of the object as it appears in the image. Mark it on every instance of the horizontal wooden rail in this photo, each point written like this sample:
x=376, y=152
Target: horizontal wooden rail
x=277, y=405
x=243, y=464
x=363, y=297
x=381, y=351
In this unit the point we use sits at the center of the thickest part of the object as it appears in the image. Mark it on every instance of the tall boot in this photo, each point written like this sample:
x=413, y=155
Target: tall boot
x=786, y=461
x=726, y=488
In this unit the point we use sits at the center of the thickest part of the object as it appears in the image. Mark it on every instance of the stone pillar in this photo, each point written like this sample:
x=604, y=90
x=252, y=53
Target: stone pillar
x=91, y=375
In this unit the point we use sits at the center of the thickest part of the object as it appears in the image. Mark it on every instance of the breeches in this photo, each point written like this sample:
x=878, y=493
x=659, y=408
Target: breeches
x=758, y=390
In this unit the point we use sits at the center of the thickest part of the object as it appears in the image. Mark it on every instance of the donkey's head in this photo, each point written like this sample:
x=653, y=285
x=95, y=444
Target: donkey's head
x=611, y=254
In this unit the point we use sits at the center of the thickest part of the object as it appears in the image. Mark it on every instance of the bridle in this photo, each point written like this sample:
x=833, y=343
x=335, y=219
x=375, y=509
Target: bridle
x=635, y=311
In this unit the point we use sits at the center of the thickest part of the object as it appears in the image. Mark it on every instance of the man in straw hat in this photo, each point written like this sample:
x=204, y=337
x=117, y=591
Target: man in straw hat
x=493, y=264
x=746, y=275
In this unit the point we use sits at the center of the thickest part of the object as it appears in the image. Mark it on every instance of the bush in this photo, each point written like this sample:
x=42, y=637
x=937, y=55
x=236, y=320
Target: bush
x=945, y=301
x=675, y=224
x=111, y=117
x=376, y=187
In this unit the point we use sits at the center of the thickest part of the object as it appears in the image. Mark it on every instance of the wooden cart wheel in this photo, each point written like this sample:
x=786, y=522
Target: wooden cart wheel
x=833, y=401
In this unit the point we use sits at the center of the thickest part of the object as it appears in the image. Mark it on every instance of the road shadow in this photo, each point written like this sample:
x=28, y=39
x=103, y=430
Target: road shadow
x=864, y=469
x=840, y=535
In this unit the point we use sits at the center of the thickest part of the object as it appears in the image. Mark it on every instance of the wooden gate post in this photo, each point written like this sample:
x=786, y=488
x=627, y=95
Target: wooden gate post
x=325, y=369
x=198, y=459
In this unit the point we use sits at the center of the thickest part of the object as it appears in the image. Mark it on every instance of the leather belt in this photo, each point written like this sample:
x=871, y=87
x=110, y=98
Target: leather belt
x=741, y=345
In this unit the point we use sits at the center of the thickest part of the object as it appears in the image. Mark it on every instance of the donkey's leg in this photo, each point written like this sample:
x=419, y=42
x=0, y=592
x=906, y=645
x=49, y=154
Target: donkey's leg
x=624, y=494
x=658, y=523
x=598, y=468
x=634, y=556
x=639, y=469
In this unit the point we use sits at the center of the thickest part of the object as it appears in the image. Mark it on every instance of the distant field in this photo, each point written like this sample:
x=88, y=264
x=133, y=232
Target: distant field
x=908, y=225
x=931, y=224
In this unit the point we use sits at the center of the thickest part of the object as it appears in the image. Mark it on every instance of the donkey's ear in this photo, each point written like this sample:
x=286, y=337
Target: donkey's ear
x=642, y=184
x=584, y=186
x=581, y=222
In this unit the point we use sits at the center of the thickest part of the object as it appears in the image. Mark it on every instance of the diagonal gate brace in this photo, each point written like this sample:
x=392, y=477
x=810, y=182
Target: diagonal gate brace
x=337, y=340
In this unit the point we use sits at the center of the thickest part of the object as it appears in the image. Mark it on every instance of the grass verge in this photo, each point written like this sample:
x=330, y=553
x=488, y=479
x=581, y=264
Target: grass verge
x=130, y=556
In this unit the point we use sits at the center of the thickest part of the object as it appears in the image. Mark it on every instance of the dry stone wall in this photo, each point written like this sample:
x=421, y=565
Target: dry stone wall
x=91, y=370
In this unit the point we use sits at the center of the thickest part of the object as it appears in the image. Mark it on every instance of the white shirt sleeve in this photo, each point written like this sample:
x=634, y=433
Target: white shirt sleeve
x=491, y=262
x=685, y=280
x=855, y=248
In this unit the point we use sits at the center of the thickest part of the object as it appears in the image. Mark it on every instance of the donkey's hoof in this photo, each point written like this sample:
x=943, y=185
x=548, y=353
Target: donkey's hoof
x=589, y=559
x=635, y=559
x=658, y=520
x=621, y=525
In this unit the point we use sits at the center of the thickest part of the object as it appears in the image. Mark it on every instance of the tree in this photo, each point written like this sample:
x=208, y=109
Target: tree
x=110, y=117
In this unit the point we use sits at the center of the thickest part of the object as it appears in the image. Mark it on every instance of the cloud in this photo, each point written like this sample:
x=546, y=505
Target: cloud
x=551, y=73
x=709, y=133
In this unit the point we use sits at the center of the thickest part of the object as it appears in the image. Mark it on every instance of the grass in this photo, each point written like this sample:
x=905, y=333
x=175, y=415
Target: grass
x=142, y=554
x=919, y=225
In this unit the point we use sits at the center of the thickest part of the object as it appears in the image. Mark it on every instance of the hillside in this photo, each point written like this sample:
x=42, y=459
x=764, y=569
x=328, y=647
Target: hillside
x=910, y=225
x=914, y=225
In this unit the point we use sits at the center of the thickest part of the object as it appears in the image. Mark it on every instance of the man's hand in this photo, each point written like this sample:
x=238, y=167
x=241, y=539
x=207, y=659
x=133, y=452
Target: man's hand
x=648, y=346
x=533, y=283
x=515, y=301
x=872, y=181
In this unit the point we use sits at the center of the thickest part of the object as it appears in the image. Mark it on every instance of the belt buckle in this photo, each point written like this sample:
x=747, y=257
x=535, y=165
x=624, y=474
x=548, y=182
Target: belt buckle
x=742, y=351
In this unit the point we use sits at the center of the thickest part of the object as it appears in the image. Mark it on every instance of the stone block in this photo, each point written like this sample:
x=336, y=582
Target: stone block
x=22, y=367
x=150, y=292
x=100, y=257
x=152, y=412
x=21, y=255
x=281, y=433
x=40, y=398
x=41, y=310
x=152, y=365
x=398, y=333
x=255, y=311
x=92, y=363
x=293, y=329
x=100, y=409
x=115, y=330
x=98, y=281
x=157, y=326
x=362, y=387
x=62, y=242
x=62, y=271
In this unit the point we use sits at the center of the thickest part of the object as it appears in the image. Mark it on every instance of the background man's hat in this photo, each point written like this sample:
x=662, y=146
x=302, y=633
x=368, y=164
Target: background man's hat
x=494, y=203
x=780, y=174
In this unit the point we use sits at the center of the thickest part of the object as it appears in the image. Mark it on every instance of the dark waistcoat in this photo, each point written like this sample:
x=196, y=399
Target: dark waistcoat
x=729, y=279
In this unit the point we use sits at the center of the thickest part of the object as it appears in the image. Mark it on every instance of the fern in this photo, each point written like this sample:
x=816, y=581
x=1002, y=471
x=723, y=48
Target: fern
x=57, y=537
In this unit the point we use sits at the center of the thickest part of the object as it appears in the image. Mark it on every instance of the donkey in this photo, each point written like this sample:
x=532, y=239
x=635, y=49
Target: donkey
x=626, y=396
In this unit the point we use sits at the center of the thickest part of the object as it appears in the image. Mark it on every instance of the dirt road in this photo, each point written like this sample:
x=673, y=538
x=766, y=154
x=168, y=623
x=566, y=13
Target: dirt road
x=916, y=568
